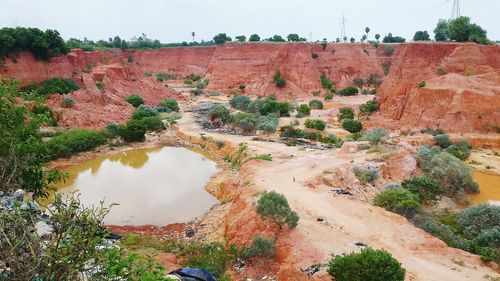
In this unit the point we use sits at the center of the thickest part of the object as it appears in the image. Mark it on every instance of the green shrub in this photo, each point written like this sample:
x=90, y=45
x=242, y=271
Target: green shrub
x=218, y=115
x=267, y=124
x=400, y=201
x=348, y=91
x=160, y=77
x=57, y=85
x=197, y=92
x=74, y=141
x=148, y=74
x=247, y=125
x=134, y=131
x=113, y=130
x=425, y=188
x=368, y=108
x=314, y=55
x=242, y=87
x=365, y=174
x=477, y=219
x=376, y=135
x=304, y=110
x=144, y=111
x=460, y=149
x=240, y=102
x=261, y=247
x=193, y=77
x=369, y=264
x=40, y=109
x=100, y=86
x=212, y=257
x=388, y=49
x=67, y=102
x=278, y=80
x=421, y=84
x=352, y=126
x=329, y=95
x=345, y=113
x=325, y=82
x=316, y=104
x=441, y=231
x=274, y=206
x=442, y=140
x=135, y=100
x=152, y=123
x=168, y=105
x=317, y=124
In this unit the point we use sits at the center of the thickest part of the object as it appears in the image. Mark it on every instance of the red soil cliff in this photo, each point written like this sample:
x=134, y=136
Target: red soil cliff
x=462, y=92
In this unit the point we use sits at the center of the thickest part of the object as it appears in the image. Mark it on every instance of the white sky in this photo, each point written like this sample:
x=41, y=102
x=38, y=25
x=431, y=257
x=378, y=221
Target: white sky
x=174, y=20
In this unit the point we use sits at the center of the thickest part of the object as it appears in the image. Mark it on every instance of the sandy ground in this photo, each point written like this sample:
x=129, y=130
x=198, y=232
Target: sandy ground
x=346, y=220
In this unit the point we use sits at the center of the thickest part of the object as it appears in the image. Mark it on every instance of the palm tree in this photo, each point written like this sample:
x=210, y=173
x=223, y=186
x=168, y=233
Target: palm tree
x=367, y=30
x=345, y=39
x=377, y=36
x=363, y=38
x=193, y=34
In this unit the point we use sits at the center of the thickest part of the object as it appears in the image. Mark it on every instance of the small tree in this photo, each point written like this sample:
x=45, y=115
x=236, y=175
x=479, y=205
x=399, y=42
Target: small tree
x=241, y=38
x=133, y=131
x=425, y=188
x=261, y=247
x=316, y=104
x=317, y=124
x=218, y=115
x=352, y=126
x=240, y=102
x=221, y=38
x=304, y=110
x=278, y=80
x=274, y=206
x=367, y=30
x=400, y=201
x=345, y=113
x=421, y=36
x=353, y=40
x=135, y=100
x=377, y=37
x=324, y=44
x=370, y=264
x=254, y=38
x=441, y=31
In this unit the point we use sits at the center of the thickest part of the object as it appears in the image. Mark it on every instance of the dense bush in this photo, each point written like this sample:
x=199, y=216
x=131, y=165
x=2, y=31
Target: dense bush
x=55, y=85
x=67, y=102
x=240, y=102
x=144, y=111
x=303, y=110
x=460, y=149
x=345, y=113
x=376, y=135
x=400, y=201
x=348, y=91
x=479, y=218
x=368, y=108
x=329, y=95
x=261, y=247
x=274, y=206
x=168, y=105
x=74, y=141
x=135, y=100
x=442, y=140
x=421, y=36
x=152, y=123
x=267, y=124
x=218, y=115
x=43, y=45
x=221, y=38
x=325, y=82
x=278, y=80
x=425, y=188
x=317, y=124
x=365, y=174
x=316, y=104
x=213, y=257
x=352, y=126
x=134, y=131
x=369, y=264
x=461, y=30
x=393, y=39
x=254, y=38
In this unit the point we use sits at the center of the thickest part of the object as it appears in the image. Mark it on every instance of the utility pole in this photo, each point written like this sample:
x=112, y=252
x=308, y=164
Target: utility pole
x=455, y=10
x=310, y=36
x=343, y=21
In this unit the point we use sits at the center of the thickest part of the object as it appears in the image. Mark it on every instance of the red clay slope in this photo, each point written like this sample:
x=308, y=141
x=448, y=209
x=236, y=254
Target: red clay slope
x=461, y=94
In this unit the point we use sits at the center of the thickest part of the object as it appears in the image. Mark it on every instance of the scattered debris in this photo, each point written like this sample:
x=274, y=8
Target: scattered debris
x=341, y=191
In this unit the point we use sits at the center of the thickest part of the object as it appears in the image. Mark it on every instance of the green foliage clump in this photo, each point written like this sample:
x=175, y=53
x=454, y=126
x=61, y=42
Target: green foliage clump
x=57, y=85
x=369, y=264
x=400, y=201
x=276, y=38
x=352, y=126
x=67, y=102
x=479, y=218
x=325, y=82
x=218, y=115
x=421, y=84
x=442, y=140
x=133, y=131
x=74, y=141
x=278, y=80
x=135, y=100
x=221, y=38
x=316, y=124
x=168, y=105
x=388, y=49
x=254, y=38
x=460, y=149
x=425, y=188
x=348, y=91
x=462, y=30
x=329, y=95
x=316, y=104
x=162, y=76
x=274, y=206
x=303, y=110
x=43, y=45
x=152, y=123
x=240, y=102
x=368, y=108
x=365, y=174
x=267, y=124
x=345, y=113
x=241, y=38
x=148, y=74
x=421, y=36
x=261, y=247
x=376, y=135
x=393, y=39
x=143, y=111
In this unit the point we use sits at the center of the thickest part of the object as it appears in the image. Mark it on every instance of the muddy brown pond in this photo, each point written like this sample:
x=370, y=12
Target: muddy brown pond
x=155, y=186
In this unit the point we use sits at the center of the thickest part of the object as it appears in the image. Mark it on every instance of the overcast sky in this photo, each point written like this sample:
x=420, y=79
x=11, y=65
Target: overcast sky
x=174, y=20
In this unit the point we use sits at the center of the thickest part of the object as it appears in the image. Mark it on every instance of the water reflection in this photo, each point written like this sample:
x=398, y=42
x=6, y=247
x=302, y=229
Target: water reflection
x=153, y=186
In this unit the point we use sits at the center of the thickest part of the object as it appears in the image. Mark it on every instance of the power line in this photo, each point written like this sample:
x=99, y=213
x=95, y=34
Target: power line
x=455, y=10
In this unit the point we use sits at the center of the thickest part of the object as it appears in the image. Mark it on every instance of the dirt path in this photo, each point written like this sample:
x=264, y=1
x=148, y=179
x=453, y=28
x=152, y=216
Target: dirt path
x=346, y=220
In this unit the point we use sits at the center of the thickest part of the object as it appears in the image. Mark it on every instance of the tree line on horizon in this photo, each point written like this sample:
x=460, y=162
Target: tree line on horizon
x=46, y=44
